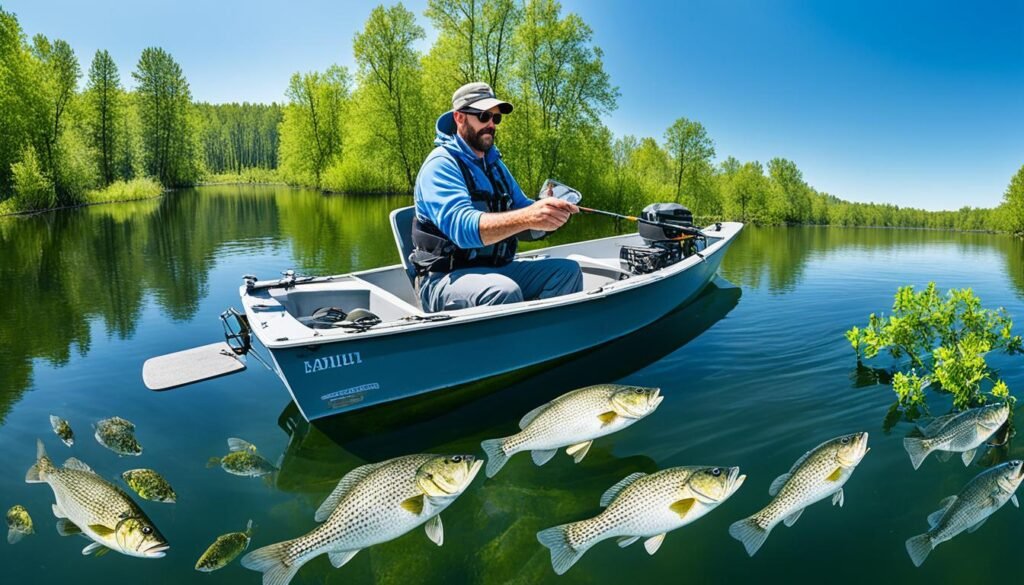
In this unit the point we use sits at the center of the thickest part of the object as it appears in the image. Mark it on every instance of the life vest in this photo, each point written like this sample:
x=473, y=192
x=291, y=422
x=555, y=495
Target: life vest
x=435, y=252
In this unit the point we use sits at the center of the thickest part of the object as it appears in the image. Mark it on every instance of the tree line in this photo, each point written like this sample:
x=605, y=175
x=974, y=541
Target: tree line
x=368, y=129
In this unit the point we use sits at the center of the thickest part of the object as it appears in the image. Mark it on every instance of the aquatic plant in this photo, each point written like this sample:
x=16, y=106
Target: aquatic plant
x=945, y=338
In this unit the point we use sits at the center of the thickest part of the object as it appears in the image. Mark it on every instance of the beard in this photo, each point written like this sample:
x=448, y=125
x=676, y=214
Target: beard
x=481, y=140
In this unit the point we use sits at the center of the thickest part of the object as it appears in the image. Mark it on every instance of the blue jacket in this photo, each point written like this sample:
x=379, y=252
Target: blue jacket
x=441, y=195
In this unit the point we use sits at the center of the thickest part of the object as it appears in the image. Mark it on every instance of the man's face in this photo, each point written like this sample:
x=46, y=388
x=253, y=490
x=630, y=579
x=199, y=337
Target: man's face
x=478, y=135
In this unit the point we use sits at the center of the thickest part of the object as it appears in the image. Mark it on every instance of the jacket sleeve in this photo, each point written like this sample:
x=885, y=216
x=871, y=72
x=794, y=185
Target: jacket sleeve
x=445, y=202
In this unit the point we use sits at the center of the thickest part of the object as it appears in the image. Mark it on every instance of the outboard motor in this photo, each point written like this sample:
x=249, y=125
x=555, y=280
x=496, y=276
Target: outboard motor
x=665, y=246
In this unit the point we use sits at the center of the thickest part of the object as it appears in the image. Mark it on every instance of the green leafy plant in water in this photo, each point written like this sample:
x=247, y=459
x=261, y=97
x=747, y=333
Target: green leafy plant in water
x=946, y=337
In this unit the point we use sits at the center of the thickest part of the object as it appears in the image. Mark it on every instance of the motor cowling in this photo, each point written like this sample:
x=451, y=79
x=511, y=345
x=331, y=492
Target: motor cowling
x=670, y=213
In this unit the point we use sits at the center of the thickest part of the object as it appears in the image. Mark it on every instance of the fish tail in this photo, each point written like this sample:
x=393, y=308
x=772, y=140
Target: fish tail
x=750, y=533
x=918, y=548
x=43, y=465
x=496, y=457
x=918, y=449
x=563, y=555
x=273, y=562
x=14, y=535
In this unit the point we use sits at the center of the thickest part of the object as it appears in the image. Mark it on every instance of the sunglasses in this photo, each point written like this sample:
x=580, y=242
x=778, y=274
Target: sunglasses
x=484, y=117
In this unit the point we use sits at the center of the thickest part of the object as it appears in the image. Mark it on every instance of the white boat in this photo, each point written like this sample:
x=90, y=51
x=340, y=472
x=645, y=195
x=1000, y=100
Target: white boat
x=397, y=350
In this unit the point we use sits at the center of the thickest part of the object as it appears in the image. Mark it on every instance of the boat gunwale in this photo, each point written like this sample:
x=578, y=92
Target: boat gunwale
x=474, y=314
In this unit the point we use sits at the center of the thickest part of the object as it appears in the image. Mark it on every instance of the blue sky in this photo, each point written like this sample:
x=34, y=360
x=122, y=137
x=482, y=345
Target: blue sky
x=915, y=103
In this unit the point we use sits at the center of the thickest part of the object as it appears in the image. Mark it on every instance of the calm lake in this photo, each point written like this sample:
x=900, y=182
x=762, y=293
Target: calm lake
x=755, y=373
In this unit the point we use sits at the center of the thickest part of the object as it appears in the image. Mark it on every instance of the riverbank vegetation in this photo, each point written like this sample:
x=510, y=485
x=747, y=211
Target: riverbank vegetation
x=367, y=130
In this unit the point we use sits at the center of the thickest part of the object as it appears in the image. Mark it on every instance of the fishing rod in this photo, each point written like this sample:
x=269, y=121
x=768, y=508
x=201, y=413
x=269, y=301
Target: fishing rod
x=667, y=226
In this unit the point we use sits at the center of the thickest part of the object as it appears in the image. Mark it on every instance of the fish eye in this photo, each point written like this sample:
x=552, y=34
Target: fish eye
x=638, y=391
x=845, y=440
x=716, y=472
x=457, y=459
x=1014, y=463
x=147, y=530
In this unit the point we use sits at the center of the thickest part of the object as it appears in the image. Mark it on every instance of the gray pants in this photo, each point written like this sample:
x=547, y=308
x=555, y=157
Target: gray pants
x=520, y=280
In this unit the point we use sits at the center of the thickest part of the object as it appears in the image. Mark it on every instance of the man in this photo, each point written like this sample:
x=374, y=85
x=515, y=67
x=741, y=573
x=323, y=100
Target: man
x=469, y=211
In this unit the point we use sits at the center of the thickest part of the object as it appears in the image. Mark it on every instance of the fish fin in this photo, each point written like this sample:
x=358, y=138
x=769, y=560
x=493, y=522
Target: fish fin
x=273, y=562
x=77, y=465
x=101, y=529
x=528, y=417
x=837, y=498
x=91, y=548
x=682, y=507
x=248, y=528
x=653, y=543
x=579, y=450
x=339, y=558
x=14, y=535
x=435, y=530
x=778, y=483
x=918, y=547
x=563, y=555
x=917, y=449
x=345, y=485
x=54, y=420
x=1013, y=499
x=542, y=457
x=625, y=541
x=607, y=418
x=236, y=444
x=414, y=504
x=968, y=456
x=936, y=424
x=934, y=517
x=750, y=534
x=66, y=527
x=40, y=467
x=792, y=518
x=835, y=475
x=496, y=457
x=58, y=512
x=944, y=456
x=614, y=491
x=977, y=525
x=213, y=462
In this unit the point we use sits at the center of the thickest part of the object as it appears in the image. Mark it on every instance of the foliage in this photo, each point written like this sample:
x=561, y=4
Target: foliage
x=1013, y=204
x=946, y=336
x=170, y=143
x=32, y=189
x=105, y=106
x=120, y=190
x=251, y=175
x=236, y=137
x=311, y=128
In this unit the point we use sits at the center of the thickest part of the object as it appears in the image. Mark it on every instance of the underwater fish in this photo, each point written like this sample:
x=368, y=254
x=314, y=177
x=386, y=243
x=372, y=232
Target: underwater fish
x=643, y=506
x=372, y=504
x=573, y=420
x=242, y=460
x=820, y=473
x=100, y=510
x=150, y=485
x=224, y=550
x=118, y=435
x=969, y=509
x=960, y=432
x=62, y=429
x=19, y=523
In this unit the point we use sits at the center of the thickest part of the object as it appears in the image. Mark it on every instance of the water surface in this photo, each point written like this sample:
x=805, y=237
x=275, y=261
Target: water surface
x=754, y=375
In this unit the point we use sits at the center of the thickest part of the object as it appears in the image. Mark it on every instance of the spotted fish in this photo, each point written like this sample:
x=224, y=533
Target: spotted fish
x=224, y=550
x=820, y=473
x=150, y=485
x=573, y=420
x=63, y=430
x=960, y=432
x=243, y=459
x=643, y=506
x=969, y=509
x=19, y=524
x=118, y=435
x=372, y=504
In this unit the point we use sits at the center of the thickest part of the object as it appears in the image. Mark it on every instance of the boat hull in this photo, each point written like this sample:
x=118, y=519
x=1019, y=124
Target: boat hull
x=334, y=377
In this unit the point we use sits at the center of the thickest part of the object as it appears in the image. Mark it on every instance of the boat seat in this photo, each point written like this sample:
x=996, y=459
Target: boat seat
x=401, y=228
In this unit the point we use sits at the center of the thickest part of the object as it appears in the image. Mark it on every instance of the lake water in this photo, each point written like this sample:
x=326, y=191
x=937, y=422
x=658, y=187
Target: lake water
x=754, y=375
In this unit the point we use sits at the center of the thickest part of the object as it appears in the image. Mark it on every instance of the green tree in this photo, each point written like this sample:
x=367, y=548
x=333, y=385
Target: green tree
x=311, y=126
x=1013, y=203
x=104, y=97
x=390, y=88
x=22, y=111
x=169, y=130
x=60, y=72
x=691, y=150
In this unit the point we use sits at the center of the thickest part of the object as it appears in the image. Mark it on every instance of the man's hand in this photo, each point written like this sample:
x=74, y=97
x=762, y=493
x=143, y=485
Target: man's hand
x=546, y=214
x=549, y=214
